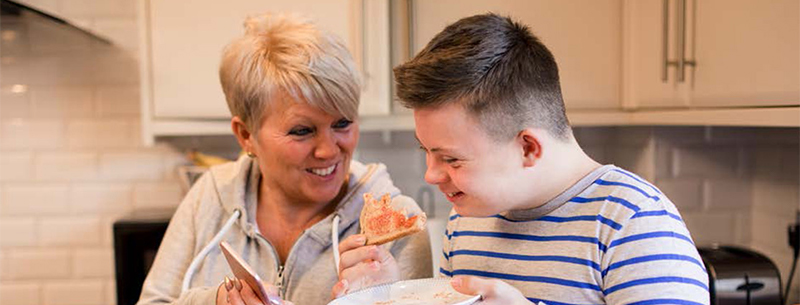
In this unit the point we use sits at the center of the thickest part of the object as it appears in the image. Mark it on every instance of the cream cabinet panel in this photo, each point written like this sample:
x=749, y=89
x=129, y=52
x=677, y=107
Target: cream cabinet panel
x=583, y=35
x=735, y=53
x=187, y=42
x=747, y=53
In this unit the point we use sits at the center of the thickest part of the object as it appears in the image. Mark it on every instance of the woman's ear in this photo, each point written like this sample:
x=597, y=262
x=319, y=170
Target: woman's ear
x=531, y=146
x=242, y=134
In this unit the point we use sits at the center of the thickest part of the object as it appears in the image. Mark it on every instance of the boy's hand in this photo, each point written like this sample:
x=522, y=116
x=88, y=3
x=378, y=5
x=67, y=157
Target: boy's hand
x=492, y=291
x=363, y=266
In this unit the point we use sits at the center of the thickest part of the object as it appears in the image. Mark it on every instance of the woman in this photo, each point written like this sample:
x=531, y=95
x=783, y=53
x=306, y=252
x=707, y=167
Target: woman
x=293, y=92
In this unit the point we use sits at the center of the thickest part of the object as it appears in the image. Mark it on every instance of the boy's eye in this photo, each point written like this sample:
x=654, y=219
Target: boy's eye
x=449, y=160
x=300, y=131
x=341, y=124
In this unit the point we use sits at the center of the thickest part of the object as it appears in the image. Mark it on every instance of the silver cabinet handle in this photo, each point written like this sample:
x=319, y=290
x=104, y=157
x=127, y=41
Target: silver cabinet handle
x=665, y=42
x=681, y=35
x=680, y=47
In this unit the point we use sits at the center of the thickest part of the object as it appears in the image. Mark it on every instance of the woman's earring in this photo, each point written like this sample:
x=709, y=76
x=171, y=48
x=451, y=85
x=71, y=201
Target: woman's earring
x=251, y=154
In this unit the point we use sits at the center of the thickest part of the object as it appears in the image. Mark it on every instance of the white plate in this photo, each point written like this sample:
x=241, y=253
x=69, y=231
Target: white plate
x=434, y=291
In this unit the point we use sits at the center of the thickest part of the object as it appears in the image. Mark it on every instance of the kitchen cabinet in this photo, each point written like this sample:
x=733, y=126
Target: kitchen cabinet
x=181, y=46
x=584, y=36
x=695, y=54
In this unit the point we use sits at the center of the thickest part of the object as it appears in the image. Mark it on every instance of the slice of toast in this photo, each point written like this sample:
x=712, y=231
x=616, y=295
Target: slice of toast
x=382, y=223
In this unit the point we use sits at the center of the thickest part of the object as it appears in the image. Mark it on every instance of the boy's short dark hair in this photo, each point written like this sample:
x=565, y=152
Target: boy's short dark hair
x=496, y=68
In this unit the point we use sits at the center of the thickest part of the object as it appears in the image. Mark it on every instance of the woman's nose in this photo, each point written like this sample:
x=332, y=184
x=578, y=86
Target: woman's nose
x=327, y=147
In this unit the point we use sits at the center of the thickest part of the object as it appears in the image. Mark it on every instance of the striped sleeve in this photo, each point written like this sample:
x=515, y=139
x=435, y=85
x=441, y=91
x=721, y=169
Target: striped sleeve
x=653, y=260
x=445, y=265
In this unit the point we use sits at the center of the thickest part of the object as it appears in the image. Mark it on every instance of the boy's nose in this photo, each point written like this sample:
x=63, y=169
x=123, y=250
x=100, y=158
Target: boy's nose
x=435, y=176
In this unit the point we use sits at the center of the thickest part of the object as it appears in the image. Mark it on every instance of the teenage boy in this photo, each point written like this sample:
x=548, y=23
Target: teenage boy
x=535, y=219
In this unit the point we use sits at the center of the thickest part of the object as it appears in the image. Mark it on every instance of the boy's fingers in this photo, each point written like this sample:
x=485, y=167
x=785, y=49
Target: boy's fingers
x=471, y=285
x=352, y=242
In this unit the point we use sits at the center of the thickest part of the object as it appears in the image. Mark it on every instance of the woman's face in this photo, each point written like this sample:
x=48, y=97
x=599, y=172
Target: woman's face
x=303, y=151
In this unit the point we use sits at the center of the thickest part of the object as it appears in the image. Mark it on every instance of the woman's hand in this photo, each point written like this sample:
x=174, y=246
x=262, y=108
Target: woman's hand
x=363, y=266
x=237, y=292
x=492, y=291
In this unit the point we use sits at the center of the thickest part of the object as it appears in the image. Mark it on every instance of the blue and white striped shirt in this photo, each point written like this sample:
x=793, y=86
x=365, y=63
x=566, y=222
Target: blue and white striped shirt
x=612, y=238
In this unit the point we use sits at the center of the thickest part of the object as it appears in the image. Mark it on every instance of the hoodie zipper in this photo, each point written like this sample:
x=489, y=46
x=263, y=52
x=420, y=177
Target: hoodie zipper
x=279, y=282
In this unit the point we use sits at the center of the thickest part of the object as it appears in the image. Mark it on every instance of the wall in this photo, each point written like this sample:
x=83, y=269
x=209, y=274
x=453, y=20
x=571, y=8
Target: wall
x=71, y=162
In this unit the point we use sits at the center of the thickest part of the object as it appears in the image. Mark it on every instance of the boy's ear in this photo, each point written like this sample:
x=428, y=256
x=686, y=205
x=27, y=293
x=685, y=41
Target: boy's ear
x=531, y=146
x=243, y=135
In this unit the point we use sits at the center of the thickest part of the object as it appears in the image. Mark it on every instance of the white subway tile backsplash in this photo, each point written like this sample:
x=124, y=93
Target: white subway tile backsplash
x=16, y=166
x=58, y=70
x=74, y=292
x=101, y=134
x=715, y=162
x=17, y=232
x=157, y=195
x=38, y=264
x=34, y=199
x=62, y=102
x=94, y=263
x=101, y=198
x=776, y=197
x=637, y=159
x=118, y=101
x=711, y=228
x=110, y=291
x=24, y=293
x=729, y=194
x=14, y=103
x=69, y=231
x=125, y=71
x=67, y=166
x=686, y=194
x=19, y=133
x=132, y=166
x=680, y=135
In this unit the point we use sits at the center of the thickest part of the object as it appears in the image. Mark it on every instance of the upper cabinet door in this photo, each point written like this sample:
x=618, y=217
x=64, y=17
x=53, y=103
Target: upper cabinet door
x=747, y=52
x=583, y=35
x=186, y=43
x=712, y=53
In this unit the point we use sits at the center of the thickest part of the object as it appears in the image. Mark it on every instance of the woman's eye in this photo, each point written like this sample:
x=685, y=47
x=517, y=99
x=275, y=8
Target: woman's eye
x=341, y=124
x=302, y=131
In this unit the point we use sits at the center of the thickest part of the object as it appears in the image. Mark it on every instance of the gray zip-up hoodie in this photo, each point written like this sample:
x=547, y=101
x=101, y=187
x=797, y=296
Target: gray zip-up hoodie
x=309, y=272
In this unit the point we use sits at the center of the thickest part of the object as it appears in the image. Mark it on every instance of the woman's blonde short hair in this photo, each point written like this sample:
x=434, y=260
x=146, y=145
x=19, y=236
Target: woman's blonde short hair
x=281, y=52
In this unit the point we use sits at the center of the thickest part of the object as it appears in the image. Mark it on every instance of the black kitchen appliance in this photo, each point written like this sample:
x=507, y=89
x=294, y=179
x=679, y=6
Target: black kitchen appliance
x=136, y=241
x=741, y=276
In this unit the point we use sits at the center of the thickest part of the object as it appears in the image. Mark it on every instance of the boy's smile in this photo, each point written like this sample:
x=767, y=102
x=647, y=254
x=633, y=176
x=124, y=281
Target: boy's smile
x=472, y=170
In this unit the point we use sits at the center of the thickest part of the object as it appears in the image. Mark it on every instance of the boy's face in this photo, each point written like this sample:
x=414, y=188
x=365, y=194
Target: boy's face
x=476, y=173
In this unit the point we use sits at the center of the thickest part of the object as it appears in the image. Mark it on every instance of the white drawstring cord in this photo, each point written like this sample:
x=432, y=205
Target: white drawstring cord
x=213, y=243
x=335, y=238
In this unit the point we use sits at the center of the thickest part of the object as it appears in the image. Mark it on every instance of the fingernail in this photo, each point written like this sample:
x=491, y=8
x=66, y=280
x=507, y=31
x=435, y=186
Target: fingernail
x=228, y=284
x=375, y=265
x=237, y=283
x=361, y=239
x=345, y=286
